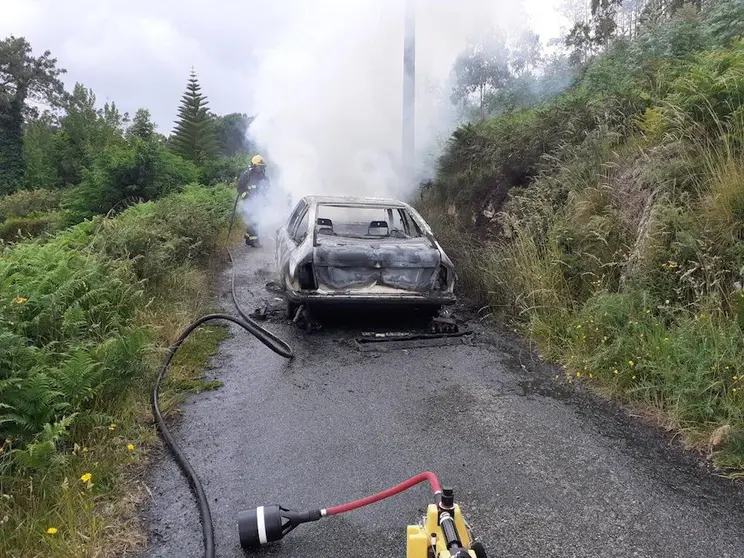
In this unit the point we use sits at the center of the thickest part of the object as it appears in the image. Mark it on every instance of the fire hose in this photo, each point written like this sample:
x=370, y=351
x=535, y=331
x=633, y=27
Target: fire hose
x=444, y=533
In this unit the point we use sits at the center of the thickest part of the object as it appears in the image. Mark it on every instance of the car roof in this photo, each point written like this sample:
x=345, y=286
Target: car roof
x=354, y=200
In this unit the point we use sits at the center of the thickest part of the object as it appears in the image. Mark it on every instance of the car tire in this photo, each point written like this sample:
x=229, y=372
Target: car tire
x=431, y=311
x=291, y=309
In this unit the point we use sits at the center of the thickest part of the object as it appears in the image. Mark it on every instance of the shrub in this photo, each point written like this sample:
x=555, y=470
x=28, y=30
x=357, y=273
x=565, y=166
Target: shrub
x=140, y=171
x=26, y=202
x=32, y=225
x=223, y=170
x=161, y=236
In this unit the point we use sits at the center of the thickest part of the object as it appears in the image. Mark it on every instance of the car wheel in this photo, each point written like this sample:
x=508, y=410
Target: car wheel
x=291, y=306
x=431, y=311
x=291, y=309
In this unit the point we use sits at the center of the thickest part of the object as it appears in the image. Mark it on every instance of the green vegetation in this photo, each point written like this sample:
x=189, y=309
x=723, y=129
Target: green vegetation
x=108, y=242
x=607, y=221
x=83, y=318
x=194, y=138
x=24, y=78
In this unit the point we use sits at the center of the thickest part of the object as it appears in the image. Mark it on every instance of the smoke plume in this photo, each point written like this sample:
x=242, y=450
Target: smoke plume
x=328, y=91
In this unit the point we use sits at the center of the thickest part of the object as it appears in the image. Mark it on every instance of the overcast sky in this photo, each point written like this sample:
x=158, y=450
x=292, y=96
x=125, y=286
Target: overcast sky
x=138, y=53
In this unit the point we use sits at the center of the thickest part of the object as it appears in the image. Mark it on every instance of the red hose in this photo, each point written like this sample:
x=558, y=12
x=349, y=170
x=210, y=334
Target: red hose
x=421, y=477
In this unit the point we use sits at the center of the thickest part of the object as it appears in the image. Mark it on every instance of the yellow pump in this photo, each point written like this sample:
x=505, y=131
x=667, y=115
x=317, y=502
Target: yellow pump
x=422, y=539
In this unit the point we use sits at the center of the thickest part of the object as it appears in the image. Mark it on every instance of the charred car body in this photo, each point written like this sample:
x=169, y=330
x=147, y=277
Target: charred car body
x=361, y=250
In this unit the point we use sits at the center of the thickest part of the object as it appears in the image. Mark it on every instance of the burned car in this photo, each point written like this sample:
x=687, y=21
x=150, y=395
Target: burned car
x=361, y=250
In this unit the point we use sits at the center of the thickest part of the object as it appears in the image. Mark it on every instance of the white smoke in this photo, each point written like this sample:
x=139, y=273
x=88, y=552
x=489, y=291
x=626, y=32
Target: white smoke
x=328, y=92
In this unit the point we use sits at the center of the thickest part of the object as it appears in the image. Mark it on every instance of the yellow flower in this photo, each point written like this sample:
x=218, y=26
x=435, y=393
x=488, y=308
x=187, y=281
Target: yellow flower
x=590, y=375
x=578, y=326
x=633, y=378
x=666, y=339
x=112, y=427
x=578, y=374
x=631, y=363
x=130, y=447
x=20, y=300
x=52, y=530
x=615, y=371
x=86, y=477
x=734, y=390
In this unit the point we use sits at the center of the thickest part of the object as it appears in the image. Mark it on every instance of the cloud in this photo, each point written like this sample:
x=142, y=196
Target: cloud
x=138, y=53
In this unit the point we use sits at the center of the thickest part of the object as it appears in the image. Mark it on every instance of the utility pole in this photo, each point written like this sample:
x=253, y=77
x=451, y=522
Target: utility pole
x=409, y=92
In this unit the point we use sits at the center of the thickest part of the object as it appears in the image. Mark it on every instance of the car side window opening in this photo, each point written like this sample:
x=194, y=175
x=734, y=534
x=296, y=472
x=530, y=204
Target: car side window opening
x=412, y=228
x=400, y=223
x=302, y=226
x=295, y=214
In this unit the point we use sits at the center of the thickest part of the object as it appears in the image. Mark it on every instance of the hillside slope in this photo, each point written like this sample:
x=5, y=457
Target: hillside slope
x=609, y=223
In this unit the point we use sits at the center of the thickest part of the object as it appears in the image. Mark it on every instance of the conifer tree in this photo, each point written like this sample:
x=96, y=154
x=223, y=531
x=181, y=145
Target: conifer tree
x=193, y=137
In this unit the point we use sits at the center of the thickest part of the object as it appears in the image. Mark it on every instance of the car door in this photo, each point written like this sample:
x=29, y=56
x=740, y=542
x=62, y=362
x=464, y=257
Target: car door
x=298, y=234
x=285, y=244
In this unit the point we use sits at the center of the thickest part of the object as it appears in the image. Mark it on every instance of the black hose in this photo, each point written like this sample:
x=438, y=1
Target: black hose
x=267, y=338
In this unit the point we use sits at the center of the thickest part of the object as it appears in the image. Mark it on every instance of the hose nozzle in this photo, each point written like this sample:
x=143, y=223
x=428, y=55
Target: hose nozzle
x=267, y=524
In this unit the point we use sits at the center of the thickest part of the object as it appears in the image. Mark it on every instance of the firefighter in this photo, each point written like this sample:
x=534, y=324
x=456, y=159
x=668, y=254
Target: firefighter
x=252, y=186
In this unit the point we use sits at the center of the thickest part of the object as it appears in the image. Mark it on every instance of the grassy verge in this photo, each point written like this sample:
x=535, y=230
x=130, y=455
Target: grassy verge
x=84, y=319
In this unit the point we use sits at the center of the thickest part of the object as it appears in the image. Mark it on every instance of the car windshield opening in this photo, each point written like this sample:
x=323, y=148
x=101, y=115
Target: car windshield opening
x=376, y=221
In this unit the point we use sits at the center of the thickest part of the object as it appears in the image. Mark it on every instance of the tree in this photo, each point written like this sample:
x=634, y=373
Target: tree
x=193, y=137
x=139, y=170
x=38, y=146
x=526, y=53
x=481, y=66
x=142, y=126
x=84, y=131
x=23, y=78
x=231, y=131
x=588, y=36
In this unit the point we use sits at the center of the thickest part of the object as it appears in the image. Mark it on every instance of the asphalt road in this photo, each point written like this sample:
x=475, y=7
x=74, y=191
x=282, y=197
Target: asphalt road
x=539, y=469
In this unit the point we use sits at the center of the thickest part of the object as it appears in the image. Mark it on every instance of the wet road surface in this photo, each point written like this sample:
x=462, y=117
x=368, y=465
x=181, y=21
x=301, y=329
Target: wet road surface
x=540, y=470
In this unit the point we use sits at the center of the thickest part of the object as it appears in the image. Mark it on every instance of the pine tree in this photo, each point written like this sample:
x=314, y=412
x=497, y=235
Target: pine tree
x=193, y=137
